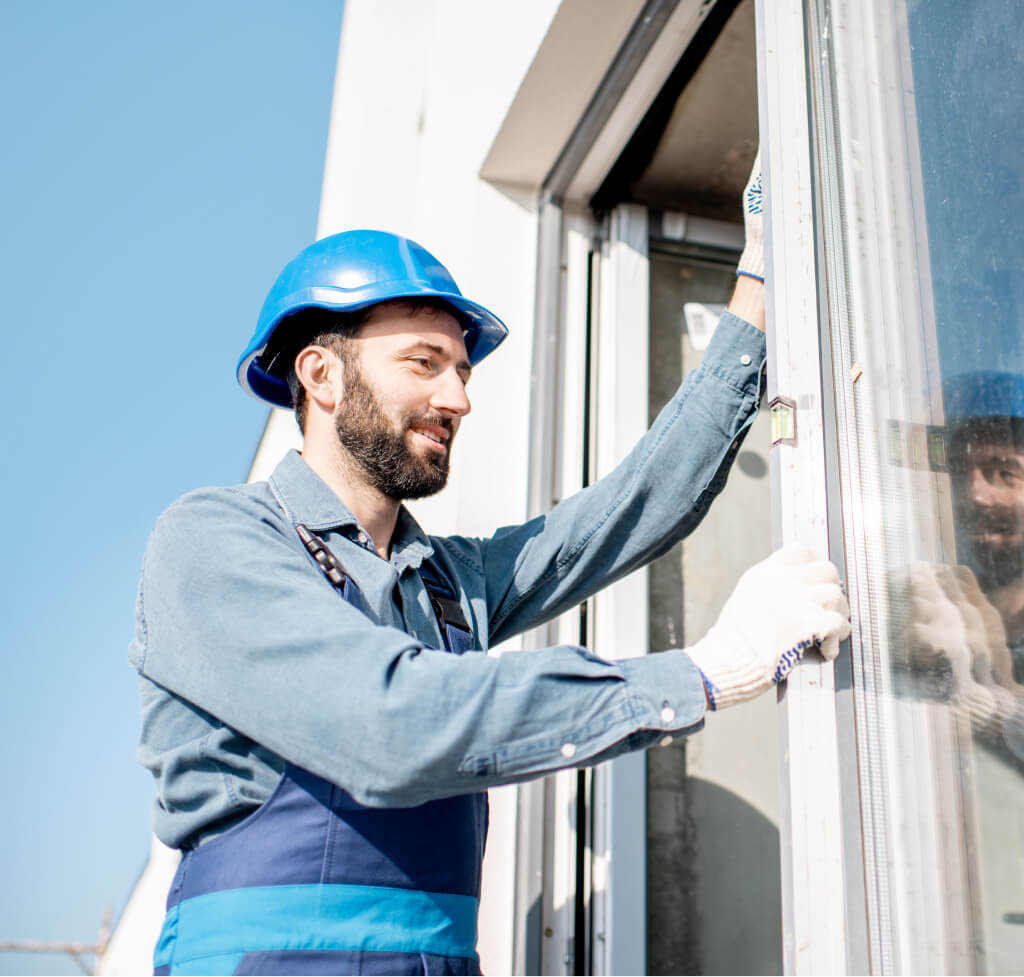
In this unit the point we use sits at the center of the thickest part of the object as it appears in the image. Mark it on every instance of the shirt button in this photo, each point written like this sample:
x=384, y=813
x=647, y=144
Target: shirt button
x=665, y=741
x=668, y=714
x=362, y=538
x=569, y=750
x=745, y=359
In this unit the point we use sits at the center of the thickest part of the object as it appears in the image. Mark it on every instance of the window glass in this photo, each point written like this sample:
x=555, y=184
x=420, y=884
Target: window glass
x=967, y=70
x=919, y=109
x=713, y=799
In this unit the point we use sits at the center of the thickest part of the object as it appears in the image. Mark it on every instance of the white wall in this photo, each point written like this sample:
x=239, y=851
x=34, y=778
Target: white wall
x=422, y=88
x=130, y=950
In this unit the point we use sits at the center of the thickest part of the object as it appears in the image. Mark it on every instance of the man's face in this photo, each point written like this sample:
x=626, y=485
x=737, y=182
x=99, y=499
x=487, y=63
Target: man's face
x=988, y=485
x=405, y=394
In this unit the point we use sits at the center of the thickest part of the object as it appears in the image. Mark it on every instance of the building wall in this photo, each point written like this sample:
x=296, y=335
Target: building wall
x=408, y=137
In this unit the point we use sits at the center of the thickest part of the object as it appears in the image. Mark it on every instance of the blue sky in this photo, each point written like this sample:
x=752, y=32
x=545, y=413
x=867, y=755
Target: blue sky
x=160, y=164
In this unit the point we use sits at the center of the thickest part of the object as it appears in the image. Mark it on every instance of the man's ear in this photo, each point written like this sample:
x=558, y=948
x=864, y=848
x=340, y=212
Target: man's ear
x=320, y=371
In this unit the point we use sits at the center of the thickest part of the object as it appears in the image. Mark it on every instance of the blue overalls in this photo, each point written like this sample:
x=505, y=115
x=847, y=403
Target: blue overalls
x=313, y=882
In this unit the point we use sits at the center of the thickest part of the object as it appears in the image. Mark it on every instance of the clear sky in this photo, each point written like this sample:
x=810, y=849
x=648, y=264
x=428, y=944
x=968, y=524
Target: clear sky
x=159, y=164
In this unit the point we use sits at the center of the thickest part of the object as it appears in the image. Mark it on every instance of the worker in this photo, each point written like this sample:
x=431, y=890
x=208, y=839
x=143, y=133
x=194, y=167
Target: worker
x=964, y=642
x=985, y=447
x=318, y=709
x=964, y=630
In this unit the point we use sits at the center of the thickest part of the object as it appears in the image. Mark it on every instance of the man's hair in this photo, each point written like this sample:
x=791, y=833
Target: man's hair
x=967, y=433
x=332, y=330
x=315, y=326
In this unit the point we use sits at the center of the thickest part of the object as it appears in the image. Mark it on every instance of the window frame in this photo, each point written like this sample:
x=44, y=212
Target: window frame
x=824, y=924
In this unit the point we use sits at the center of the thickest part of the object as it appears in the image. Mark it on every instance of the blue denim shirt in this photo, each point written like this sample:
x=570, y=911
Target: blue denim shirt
x=246, y=654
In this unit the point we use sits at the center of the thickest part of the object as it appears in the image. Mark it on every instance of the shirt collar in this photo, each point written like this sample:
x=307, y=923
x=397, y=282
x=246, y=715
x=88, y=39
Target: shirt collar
x=410, y=546
x=308, y=499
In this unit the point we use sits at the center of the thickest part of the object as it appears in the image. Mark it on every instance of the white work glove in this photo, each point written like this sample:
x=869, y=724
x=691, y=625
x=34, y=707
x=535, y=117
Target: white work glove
x=752, y=259
x=781, y=607
x=951, y=624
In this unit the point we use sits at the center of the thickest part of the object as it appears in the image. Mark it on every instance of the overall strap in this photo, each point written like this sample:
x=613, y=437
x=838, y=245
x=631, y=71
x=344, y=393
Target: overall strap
x=329, y=565
x=443, y=599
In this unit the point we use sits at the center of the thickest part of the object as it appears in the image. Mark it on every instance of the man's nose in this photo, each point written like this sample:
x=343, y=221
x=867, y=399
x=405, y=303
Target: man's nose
x=450, y=395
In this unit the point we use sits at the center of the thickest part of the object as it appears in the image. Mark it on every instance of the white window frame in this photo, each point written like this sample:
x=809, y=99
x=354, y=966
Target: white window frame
x=817, y=901
x=876, y=873
x=620, y=611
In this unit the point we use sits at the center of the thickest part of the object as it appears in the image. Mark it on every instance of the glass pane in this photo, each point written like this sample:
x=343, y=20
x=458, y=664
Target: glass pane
x=919, y=110
x=967, y=68
x=713, y=804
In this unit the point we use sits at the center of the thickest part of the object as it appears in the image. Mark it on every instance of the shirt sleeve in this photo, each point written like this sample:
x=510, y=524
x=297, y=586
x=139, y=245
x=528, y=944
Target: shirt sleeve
x=657, y=495
x=235, y=620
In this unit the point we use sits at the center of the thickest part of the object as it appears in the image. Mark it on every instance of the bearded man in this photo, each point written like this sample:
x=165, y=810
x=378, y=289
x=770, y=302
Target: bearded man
x=317, y=712
x=965, y=627
x=985, y=435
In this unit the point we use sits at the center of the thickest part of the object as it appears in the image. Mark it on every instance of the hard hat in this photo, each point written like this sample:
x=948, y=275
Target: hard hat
x=986, y=393
x=350, y=271
x=979, y=407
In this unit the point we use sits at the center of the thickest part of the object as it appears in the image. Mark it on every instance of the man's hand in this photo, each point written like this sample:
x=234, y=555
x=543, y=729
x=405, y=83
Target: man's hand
x=748, y=298
x=752, y=260
x=781, y=607
x=953, y=630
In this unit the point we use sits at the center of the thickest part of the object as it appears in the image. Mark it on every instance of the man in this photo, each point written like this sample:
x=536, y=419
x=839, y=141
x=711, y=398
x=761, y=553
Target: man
x=966, y=623
x=321, y=736
x=985, y=435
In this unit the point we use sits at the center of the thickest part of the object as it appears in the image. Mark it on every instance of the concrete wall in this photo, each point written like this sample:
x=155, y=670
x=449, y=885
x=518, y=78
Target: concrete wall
x=422, y=89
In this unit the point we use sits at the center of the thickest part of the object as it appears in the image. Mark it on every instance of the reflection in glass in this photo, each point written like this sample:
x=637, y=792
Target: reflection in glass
x=919, y=107
x=985, y=449
x=963, y=53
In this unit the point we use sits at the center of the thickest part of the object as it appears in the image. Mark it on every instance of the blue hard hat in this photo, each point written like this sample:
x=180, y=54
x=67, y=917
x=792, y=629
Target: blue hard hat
x=350, y=271
x=985, y=393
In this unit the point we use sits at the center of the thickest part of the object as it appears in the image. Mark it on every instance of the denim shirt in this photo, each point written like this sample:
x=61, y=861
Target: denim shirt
x=247, y=655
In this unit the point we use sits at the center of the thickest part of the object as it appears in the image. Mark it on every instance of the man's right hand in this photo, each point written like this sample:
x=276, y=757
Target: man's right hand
x=952, y=630
x=781, y=607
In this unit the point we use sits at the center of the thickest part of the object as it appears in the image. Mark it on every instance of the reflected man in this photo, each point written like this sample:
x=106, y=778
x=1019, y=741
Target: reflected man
x=985, y=440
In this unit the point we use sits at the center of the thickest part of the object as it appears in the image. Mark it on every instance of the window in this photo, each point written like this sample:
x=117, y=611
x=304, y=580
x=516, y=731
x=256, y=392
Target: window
x=915, y=180
x=712, y=798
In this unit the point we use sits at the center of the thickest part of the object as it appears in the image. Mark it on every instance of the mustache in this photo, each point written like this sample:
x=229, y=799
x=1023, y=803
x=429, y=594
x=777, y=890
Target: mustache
x=993, y=521
x=429, y=418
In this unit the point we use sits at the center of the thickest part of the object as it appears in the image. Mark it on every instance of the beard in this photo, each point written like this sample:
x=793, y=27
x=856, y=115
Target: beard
x=995, y=562
x=380, y=451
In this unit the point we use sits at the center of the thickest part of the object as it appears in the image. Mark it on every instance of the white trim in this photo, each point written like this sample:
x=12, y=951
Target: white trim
x=643, y=88
x=621, y=625
x=580, y=45
x=915, y=763
x=534, y=822
x=560, y=829
x=813, y=887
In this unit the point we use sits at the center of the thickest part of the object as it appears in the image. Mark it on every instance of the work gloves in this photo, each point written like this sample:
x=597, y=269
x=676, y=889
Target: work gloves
x=954, y=635
x=752, y=259
x=781, y=607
